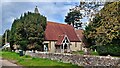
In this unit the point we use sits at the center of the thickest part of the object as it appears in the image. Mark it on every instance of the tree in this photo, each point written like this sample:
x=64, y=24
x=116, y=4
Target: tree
x=105, y=26
x=73, y=17
x=105, y=29
x=82, y=11
x=28, y=30
x=6, y=37
x=90, y=9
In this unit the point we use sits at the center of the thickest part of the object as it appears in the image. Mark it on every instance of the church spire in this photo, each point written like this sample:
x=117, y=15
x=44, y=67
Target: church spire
x=36, y=10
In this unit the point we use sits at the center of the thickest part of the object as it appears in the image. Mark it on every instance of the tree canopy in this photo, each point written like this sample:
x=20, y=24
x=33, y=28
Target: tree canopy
x=73, y=17
x=82, y=11
x=105, y=27
x=5, y=38
x=28, y=31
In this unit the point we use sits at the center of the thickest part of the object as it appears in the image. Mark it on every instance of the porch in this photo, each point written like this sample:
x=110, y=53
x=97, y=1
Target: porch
x=64, y=48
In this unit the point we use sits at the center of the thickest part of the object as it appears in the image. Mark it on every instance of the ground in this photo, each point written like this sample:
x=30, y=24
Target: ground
x=7, y=63
x=82, y=53
x=32, y=61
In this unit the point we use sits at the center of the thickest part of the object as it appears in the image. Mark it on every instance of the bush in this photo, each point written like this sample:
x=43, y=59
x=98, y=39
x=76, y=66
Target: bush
x=113, y=50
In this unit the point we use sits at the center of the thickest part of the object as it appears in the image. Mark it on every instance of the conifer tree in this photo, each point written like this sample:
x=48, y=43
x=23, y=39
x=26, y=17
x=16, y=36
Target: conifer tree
x=28, y=31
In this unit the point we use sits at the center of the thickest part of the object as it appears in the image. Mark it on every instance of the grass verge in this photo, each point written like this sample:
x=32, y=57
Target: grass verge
x=32, y=61
x=82, y=53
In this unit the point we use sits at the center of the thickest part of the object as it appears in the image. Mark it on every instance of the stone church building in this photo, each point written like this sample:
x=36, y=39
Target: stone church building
x=62, y=38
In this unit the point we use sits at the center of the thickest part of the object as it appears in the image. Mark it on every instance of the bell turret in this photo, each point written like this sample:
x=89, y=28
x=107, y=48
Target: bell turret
x=36, y=10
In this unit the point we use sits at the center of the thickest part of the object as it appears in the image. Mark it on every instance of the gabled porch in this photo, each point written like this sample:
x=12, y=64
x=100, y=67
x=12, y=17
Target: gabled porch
x=63, y=44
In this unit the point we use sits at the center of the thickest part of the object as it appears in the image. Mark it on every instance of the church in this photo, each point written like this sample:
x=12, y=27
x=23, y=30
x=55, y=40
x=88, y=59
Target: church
x=62, y=38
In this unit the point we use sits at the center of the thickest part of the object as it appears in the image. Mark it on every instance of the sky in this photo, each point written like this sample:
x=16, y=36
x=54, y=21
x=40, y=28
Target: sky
x=54, y=10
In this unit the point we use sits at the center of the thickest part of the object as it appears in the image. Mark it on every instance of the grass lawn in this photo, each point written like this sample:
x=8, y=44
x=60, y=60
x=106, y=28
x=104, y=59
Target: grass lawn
x=82, y=53
x=78, y=52
x=31, y=61
x=94, y=53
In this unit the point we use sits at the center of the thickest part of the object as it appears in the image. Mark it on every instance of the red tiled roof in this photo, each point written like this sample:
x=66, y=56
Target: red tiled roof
x=54, y=30
x=60, y=39
x=82, y=37
x=80, y=34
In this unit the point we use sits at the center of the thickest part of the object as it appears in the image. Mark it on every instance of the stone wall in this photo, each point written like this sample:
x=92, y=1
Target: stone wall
x=81, y=60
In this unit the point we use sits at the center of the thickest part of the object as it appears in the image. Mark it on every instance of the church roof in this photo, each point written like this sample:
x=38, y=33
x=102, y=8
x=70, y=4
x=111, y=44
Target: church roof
x=60, y=39
x=82, y=37
x=54, y=30
x=80, y=34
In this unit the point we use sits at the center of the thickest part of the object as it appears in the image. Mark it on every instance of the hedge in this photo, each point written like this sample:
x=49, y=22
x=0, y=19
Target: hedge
x=113, y=50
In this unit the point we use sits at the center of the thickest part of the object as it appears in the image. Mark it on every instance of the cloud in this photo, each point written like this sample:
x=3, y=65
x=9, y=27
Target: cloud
x=54, y=11
x=0, y=17
x=10, y=11
x=40, y=1
x=58, y=0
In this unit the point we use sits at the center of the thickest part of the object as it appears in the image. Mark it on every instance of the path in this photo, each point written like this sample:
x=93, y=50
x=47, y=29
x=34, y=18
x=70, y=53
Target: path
x=7, y=64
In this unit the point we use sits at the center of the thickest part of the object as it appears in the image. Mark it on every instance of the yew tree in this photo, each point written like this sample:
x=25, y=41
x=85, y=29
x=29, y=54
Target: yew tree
x=28, y=31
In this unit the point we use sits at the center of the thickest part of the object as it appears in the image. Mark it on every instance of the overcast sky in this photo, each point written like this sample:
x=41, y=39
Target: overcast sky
x=53, y=10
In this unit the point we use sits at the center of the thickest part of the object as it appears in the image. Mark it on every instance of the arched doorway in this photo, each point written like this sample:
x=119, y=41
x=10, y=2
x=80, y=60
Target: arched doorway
x=65, y=48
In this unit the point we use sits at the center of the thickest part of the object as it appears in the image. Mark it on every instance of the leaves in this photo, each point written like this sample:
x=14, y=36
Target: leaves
x=82, y=11
x=73, y=17
x=29, y=29
x=105, y=27
x=6, y=37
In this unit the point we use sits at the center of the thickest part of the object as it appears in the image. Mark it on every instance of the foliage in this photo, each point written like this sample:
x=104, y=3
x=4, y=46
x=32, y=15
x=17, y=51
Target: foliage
x=73, y=17
x=6, y=36
x=104, y=29
x=27, y=30
x=29, y=61
x=82, y=11
x=90, y=8
x=109, y=50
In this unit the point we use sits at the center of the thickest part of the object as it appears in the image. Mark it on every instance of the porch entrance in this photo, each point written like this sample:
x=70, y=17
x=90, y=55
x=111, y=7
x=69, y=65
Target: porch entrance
x=63, y=45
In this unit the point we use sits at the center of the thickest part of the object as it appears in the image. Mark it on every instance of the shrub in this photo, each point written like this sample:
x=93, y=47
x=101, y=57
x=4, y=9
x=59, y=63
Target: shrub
x=113, y=50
